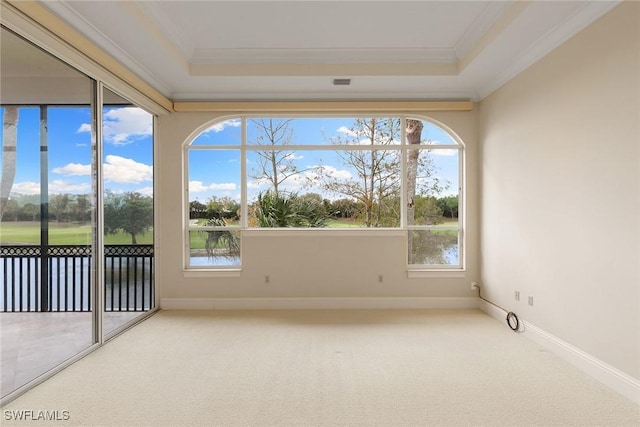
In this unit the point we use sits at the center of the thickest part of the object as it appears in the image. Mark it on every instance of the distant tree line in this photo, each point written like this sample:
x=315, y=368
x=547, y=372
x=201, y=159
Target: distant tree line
x=62, y=208
x=129, y=212
x=428, y=209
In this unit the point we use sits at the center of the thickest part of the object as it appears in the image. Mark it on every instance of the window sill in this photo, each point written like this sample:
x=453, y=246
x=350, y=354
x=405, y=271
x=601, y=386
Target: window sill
x=235, y=272
x=323, y=232
x=446, y=274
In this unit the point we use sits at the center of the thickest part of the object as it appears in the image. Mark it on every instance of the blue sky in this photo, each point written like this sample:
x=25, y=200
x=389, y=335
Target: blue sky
x=217, y=173
x=128, y=150
x=128, y=154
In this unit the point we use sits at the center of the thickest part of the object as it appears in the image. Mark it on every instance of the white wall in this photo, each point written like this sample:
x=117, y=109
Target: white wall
x=307, y=264
x=560, y=201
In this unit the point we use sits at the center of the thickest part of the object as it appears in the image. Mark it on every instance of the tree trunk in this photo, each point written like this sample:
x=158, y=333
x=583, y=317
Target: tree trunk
x=133, y=239
x=9, y=128
x=414, y=136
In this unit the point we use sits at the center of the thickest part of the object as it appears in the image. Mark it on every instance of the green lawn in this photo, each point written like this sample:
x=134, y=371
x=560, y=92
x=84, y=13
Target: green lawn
x=80, y=234
x=62, y=234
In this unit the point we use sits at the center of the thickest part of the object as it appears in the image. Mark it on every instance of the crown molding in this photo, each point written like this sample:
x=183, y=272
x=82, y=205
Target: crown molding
x=42, y=27
x=322, y=96
x=321, y=106
x=581, y=19
x=484, y=22
x=64, y=11
x=305, y=56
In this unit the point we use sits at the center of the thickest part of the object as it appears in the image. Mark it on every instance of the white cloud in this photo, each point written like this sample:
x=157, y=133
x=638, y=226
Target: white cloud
x=122, y=126
x=330, y=171
x=223, y=186
x=59, y=186
x=219, y=127
x=27, y=187
x=56, y=186
x=444, y=152
x=145, y=191
x=292, y=156
x=346, y=131
x=123, y=170
x=85, y=127
x=116, y=169
x=257, y=183
x=73, y=169
x=199, y=186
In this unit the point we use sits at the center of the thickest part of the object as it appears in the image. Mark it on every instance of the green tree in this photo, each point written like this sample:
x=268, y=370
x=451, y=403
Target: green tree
x=427, y=210
x=197, y=210
x=449, y=206
x=129, y=212
x=11, y=210
x=81, y=208
x=222, y=207
x=344, y=208
x=31, y=211
x=59, y=206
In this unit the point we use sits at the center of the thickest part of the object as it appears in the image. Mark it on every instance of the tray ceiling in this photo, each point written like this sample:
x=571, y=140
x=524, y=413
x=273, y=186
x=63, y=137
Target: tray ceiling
x=274, y=50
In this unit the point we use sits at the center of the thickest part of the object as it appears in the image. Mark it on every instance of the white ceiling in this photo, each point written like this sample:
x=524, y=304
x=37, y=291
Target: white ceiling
x=270, y=50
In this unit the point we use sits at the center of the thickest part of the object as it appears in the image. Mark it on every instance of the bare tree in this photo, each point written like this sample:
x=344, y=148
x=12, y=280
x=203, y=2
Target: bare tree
x=376, y=183
x=275, y=164
x=9, y=129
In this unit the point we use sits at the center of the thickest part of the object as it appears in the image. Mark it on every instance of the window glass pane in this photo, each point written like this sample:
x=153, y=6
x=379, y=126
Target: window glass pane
x=433, y=183
x=213, y=175
x=364, y=184
x=46, y=207
x=20, y=202
x=127, y=133
x=214, y=201
x=322, y=131
x=214, y=248
x=426, y=133
x=434, y=247
x=368, y=131
x=228, y=132
x=70, y=200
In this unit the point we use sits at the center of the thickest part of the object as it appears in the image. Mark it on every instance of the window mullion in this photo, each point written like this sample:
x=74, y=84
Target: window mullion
x=403, y=173
x=244, y=209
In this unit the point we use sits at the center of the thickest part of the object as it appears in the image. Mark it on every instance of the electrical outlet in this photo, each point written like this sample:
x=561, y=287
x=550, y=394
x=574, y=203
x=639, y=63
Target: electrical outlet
x=474, y=286
x=531, y=301
x=267, y=279
x=517, y=295
x=380, y=278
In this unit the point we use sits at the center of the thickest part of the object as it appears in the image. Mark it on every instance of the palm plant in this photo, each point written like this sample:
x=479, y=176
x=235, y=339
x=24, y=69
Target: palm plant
x=279, y=209
x=221, y=242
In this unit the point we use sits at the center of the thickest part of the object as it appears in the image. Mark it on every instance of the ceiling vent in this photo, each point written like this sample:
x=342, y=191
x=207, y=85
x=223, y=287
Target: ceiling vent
x=341, y=82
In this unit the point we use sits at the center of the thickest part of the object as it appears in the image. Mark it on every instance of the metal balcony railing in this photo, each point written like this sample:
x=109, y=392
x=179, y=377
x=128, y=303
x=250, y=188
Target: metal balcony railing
x=60, y=278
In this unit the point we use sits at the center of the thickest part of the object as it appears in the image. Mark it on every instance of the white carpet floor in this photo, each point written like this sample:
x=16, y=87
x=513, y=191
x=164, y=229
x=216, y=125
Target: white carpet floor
x=324, y=368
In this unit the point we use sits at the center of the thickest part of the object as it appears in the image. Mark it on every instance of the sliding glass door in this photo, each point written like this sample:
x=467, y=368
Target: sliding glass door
x=47, y=213
x=76, y=214
x=127, y=133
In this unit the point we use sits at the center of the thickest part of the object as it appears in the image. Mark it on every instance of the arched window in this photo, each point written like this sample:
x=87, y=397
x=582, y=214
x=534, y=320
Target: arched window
x=367, y=172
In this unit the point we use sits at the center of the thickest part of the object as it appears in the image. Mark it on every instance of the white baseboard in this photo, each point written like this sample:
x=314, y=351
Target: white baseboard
x=606, y=374
x=353, y=303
